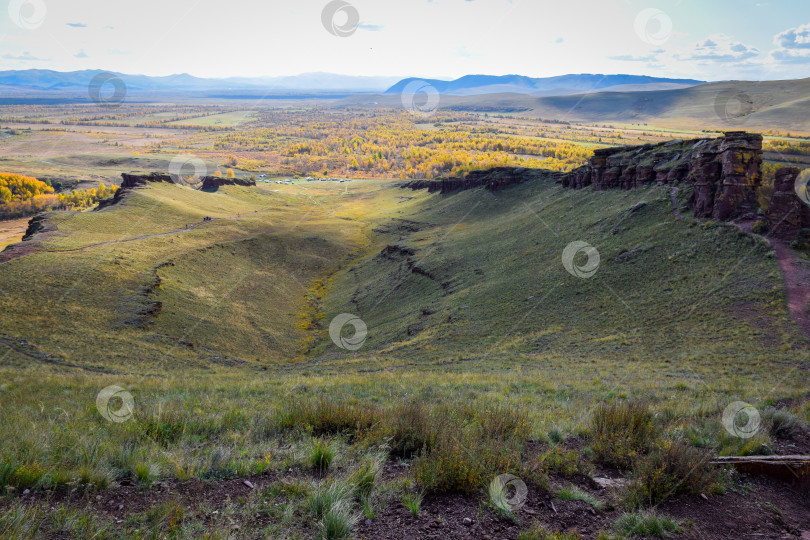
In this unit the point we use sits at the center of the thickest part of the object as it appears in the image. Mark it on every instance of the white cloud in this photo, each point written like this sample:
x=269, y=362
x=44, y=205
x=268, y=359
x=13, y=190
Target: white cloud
x=721, y=48
x=794, y=38
x=794, y=46
x=26, y=57
x=634, y=58
x=787, y=56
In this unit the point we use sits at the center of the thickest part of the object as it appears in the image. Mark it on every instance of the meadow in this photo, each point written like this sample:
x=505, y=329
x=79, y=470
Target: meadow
x=484, y=356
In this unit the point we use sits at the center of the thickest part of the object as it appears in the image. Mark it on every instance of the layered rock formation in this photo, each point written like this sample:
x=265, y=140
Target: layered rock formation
x=492, y=179
x=212, y=183
x=787, y=214
x=132, y=181
x=725, y=174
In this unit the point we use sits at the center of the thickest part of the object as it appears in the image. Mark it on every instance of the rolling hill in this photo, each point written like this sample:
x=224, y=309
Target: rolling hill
x=561, y=85
x=724, y=105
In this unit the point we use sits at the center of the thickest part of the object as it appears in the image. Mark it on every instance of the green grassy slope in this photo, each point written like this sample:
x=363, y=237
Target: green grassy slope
x=700, y=305
x=228, y=288
x=694, y=319
x=146, y=283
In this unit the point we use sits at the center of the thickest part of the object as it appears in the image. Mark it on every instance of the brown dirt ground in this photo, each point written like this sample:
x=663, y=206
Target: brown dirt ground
x=756, y=507
x=12, y=230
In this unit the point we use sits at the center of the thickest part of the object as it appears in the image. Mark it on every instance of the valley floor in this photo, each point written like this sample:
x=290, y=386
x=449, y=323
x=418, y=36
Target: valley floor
x=487, y=353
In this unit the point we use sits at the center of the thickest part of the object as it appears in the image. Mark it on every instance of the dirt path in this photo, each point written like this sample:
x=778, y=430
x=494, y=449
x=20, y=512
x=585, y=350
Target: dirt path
x=125, y=240
x=23, y=249
x=796, y=275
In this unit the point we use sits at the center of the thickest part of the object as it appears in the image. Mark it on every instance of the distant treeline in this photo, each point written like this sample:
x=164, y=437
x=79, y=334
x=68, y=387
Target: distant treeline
x=22, y=196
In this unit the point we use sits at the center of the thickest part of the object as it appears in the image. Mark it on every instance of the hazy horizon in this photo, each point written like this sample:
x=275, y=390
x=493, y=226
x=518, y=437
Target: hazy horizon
x=442, y=39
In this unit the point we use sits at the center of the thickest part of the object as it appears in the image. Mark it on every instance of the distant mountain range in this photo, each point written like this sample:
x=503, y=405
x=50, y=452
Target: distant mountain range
x=42, y=82
x=471, y=85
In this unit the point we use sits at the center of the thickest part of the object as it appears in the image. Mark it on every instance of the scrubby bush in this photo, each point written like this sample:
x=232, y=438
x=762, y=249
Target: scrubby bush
x=465, y=459
x=408, y=429
x=326, y=416
x=559, y=460
x=760, y=226
x=671, y=469
x=782, y=423
x=503, y=422
x=463, y=462
x=621, y=431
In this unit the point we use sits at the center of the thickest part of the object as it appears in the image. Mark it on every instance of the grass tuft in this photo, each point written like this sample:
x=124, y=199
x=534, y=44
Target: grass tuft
x=539, y=531
x=326, y=496
x=321, y=455
x=573, y=493
x=413, y=502
x=647, y=523
x=338, y=521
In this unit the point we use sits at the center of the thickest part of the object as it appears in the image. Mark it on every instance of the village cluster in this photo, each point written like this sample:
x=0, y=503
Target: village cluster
x=287, y=182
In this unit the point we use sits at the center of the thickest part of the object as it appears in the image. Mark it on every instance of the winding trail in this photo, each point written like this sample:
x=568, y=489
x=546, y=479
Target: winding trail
x=30, y=247
x=796, y=275
x=125, y=240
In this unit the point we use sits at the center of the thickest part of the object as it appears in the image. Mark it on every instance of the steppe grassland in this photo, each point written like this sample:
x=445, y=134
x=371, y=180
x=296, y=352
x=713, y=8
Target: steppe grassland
x=229, y=377
x=618, y=335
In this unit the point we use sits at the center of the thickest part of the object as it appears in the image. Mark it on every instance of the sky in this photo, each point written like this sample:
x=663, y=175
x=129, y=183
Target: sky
x=700, y=39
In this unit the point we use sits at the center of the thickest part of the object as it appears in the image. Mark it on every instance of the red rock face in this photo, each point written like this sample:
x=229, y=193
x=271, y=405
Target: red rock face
x=741, y=159
x=724, y=171
x=725, y=174
x=787, y=214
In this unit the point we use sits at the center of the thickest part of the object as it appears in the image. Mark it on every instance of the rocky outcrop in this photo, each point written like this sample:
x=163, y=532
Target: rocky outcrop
x=38, y=224
x=787, y=214
x=213, y=183
x=492, y=179
x=130, y=181
x=725, y=172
